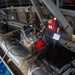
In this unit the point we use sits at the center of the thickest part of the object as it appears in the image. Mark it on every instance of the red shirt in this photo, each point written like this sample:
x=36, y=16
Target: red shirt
x=52, y=25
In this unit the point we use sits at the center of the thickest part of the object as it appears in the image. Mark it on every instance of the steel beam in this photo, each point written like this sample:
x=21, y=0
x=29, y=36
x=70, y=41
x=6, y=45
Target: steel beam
x=37, y=8
x=68, y=12
x=57, y=3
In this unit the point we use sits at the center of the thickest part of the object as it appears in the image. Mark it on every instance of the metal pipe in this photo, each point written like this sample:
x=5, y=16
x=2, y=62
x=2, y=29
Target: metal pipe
x=57, y=3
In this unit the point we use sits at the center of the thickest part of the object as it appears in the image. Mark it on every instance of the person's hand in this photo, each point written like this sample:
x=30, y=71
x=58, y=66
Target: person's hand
x=58, y=29
x=41, y=31
x=57, y=32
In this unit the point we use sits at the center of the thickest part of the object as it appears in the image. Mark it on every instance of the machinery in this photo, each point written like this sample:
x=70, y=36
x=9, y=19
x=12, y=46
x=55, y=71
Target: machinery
x=54, y=60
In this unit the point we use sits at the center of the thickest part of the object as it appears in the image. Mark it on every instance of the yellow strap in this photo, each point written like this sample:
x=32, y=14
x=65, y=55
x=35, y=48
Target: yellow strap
x=70, y=42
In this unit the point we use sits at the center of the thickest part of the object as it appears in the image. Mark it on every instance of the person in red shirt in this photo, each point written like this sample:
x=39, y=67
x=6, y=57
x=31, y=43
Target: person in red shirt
x=51, y=26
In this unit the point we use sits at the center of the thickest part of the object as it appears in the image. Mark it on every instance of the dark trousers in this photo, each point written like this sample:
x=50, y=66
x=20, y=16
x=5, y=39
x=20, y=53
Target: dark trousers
x=49, y=35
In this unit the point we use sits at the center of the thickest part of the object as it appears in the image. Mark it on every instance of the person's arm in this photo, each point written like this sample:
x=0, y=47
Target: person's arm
x=58, y=27
x=45, y=25
x=3, y=22
x=42, y=29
